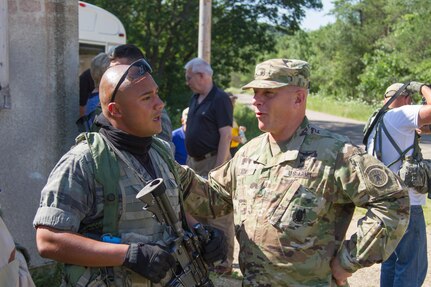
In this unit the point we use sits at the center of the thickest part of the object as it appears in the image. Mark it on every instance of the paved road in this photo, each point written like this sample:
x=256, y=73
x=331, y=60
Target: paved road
x=351, y=128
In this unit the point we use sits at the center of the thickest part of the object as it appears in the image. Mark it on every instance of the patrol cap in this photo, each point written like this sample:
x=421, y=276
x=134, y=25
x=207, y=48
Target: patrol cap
x=276, y=73
x=392, y=89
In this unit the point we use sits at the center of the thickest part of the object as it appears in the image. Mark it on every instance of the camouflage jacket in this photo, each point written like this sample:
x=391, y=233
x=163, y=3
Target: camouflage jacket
x=292, y=207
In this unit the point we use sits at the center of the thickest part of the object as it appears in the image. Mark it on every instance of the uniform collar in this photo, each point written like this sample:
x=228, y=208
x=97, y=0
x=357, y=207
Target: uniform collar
x=263, y=153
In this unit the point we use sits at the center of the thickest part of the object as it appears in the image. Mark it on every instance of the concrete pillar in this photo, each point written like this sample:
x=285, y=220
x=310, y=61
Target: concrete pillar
x=40, y=125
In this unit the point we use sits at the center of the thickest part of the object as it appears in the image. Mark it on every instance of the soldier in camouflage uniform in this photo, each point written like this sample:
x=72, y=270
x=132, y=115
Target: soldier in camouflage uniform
x=294, y=190
x=70, y=220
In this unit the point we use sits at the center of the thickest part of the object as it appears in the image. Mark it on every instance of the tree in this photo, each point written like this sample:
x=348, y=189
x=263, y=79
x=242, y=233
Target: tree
x=402, y=53
x=167, y=31
x=372, y=44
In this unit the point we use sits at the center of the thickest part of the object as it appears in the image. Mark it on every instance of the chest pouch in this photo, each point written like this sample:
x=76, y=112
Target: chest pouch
x=414, y=173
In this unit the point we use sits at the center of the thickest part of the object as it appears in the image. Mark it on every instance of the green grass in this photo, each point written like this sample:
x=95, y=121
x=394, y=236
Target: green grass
x=349, y=109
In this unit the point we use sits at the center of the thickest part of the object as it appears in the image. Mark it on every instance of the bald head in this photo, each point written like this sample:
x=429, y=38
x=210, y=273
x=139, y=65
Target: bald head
x=137, y=107
x=107, y=85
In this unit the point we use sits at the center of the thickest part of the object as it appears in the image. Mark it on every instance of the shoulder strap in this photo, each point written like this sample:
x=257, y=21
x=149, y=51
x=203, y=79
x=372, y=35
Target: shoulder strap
x=163, y=151
x=107, y=173
x=401, y=153
x=380, y=129
x=382, y=111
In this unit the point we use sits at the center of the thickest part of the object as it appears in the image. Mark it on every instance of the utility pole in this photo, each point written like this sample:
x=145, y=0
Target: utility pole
x=204, y=42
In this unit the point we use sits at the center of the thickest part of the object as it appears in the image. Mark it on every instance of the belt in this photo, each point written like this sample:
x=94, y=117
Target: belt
x=208, y=155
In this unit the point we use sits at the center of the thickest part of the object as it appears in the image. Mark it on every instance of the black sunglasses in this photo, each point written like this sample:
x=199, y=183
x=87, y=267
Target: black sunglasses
x=135, y=71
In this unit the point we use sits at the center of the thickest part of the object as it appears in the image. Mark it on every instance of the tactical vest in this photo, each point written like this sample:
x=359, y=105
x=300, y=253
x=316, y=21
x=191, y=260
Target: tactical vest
x=126, y=218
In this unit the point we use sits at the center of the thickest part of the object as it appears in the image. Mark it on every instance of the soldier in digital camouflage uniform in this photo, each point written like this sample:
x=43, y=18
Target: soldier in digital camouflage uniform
x=294, y=190
x=70, y=221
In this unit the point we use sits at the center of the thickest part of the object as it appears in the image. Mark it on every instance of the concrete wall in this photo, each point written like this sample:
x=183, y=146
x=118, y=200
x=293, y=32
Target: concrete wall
x=40, y=125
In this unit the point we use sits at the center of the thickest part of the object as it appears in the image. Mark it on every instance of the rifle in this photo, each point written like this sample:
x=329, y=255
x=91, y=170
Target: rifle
x=191, y=269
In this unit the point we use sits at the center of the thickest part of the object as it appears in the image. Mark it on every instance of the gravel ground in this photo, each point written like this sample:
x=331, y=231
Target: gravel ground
x=366, y=277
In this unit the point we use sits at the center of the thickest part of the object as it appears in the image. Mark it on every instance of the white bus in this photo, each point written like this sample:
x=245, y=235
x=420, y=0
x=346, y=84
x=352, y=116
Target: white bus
x=99, y=30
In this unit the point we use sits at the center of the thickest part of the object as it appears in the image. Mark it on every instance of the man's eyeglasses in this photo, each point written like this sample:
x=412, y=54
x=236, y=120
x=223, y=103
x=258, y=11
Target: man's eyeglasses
x=135, y=71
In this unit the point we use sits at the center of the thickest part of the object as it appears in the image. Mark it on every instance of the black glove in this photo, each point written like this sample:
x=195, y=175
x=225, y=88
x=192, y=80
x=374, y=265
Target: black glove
x=215, y=249
x=150, y=261
x=415, y=87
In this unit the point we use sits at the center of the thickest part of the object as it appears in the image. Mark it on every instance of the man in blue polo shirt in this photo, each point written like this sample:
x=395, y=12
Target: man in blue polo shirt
x=208, y=135
x=209, y=122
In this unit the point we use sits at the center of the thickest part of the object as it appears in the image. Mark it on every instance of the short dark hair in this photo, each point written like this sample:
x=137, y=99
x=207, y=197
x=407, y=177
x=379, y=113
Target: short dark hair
x=128, y=51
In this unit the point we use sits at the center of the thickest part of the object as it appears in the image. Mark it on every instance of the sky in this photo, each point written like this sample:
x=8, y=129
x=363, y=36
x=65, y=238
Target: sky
x=314, y=19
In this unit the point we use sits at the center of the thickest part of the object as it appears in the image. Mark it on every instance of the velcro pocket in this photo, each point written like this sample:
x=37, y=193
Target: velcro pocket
x=298, y=212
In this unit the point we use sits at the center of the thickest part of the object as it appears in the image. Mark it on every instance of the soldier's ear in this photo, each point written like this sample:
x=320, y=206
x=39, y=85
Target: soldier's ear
x=114, y=110
x=301, y=96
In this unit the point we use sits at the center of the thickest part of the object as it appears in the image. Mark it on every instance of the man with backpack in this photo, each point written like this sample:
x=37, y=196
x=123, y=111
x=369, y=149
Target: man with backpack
x=391, y=136
x=89, y=217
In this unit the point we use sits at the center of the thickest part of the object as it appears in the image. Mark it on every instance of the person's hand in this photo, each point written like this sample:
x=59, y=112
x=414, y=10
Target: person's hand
x=418, y=131
x=216, y=247
x=339, y=273
x=150, y=261
x=415, y=87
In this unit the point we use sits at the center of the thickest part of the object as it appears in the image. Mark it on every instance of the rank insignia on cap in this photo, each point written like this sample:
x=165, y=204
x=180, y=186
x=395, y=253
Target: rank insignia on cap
x=377, y=175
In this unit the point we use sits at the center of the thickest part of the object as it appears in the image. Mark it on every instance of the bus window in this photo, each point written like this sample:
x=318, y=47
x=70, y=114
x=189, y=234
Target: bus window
x=86, y=53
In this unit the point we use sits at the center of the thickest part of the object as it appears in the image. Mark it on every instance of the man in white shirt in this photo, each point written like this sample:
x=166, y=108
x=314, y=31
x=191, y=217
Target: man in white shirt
x=395, y=140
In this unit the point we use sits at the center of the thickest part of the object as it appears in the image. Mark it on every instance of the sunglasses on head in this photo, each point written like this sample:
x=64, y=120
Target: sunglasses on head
x=135, y=71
